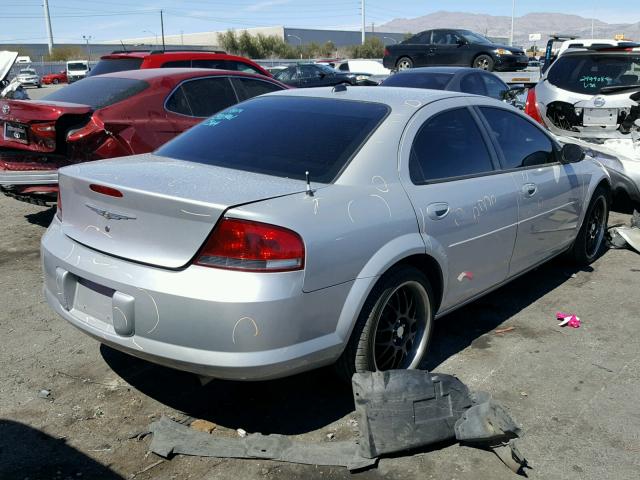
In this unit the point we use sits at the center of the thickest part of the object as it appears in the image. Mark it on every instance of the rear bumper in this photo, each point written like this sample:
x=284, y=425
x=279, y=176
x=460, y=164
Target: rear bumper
x=212, y=322
x=30, y=177
x=511, y=62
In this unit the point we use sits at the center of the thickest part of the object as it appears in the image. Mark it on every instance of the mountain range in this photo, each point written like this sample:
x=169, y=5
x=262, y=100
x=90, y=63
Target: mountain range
x=500, y=26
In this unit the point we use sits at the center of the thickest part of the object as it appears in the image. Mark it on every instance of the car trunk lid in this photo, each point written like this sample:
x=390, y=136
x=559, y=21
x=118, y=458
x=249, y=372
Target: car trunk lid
x=167, y=207
x=38, y=126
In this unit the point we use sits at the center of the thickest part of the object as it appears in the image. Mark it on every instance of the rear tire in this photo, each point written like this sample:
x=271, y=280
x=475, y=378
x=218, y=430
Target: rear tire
x=590, y=241
x=394, y=325
x=404, y=63
x=484, y=62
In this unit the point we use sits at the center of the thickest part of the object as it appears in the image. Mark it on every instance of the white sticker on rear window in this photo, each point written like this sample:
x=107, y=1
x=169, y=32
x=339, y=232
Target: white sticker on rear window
x=218, y=118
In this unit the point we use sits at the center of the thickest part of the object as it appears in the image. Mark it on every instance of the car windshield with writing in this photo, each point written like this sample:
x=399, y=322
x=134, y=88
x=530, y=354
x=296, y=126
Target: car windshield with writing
x=281, y=136
x=588, y=74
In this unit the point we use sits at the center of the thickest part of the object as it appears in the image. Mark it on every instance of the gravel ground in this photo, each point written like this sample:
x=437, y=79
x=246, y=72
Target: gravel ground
x=573, y=390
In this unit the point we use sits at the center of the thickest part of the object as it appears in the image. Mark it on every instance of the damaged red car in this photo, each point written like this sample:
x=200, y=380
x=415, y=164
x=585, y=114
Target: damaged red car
x=107, y=116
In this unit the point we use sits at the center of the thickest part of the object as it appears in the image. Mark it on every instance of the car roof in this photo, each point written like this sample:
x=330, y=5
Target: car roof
x=613, y=51
x=170, y=53
x=150, y=74
x=398, y=98
x=450, y=70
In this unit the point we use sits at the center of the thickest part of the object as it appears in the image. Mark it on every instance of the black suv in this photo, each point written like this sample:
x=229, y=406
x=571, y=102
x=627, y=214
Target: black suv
x=448, y=47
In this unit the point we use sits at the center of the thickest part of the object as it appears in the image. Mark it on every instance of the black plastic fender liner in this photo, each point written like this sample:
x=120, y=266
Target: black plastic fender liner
x=171, y=438
x=399, y=410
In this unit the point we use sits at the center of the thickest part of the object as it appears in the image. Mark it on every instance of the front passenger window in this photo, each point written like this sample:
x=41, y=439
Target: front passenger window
x=522, y=144
x=448, y=145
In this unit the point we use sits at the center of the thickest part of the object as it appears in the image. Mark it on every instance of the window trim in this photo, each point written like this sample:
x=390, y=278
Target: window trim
x=228, y=77
x=485, y=138
x=496, y=145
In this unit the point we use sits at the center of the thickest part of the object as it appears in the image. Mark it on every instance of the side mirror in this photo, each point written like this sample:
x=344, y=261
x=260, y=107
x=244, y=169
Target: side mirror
x=571, y=153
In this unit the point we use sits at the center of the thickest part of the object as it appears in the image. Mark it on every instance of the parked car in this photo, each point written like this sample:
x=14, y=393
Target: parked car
x=28, y=76
x=449, y=47
x=314, y=226
x=77, y=70
x=304, y=75
x=372, y=67
x=142, y=59
x=559, y=44
x=455, y=79
x=588, y=94
x=109, y=116
x=55, y=78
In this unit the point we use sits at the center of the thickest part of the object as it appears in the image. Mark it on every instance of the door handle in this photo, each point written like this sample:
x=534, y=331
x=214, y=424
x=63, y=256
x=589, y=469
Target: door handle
x=437, y=211
x=529, y=189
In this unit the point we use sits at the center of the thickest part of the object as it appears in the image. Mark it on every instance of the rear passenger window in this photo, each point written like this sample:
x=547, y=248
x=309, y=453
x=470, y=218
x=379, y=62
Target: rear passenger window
x=210, y=63
x=522, y=144
x=177, y=64
x=204, y=96
x=178, y=103
x=249, y=88
x=241, y=67
x=472, y=83
x=448, y=145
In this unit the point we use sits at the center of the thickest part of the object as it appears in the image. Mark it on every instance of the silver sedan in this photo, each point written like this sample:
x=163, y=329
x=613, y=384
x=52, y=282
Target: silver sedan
x=310, y=227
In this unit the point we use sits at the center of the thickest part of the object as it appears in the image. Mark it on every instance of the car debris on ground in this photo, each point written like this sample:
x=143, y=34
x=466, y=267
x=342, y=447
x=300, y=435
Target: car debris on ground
x=397, y=410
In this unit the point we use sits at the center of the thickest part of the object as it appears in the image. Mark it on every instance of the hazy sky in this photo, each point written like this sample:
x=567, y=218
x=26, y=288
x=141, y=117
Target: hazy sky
x=22, y=20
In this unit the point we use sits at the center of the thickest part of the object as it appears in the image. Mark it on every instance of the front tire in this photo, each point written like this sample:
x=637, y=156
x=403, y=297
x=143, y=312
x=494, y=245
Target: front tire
x=404, y=63
x=394, y=325
x=484, y=62
x=590, y=242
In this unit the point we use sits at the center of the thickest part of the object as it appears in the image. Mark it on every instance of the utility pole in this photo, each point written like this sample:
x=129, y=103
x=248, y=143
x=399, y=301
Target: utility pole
x=47, y=20
x=593, y=21
x=162, y=29
x=513, y=15
x=86, y=38
x=362, y=8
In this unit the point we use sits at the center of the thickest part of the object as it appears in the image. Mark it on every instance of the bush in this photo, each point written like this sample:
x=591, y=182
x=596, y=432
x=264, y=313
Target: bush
x=62, y=54
x=372, y=48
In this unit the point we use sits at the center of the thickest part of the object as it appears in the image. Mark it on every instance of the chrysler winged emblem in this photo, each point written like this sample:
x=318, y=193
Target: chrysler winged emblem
x=6, y=108
x=109, y=215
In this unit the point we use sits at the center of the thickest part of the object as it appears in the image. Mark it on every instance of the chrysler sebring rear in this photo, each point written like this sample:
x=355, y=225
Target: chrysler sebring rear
x=305, y=228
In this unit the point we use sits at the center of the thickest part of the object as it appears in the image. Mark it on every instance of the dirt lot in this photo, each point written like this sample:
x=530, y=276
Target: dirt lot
x=575, y=391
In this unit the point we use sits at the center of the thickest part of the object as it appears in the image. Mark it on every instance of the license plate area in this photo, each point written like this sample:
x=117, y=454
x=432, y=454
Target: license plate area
x=596, y=117
x=94, y=301
x=16, y=132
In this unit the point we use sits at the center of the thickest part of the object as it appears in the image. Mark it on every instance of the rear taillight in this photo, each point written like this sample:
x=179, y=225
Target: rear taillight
x=531, y=106
x=386, y=52
x=252, y=246
x=59, y=207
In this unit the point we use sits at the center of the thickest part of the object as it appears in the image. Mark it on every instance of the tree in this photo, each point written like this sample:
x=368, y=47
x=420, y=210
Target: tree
x=372, y=48
x=65, y=53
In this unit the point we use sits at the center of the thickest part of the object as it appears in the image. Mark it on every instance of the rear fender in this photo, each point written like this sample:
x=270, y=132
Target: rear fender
x=383, y=260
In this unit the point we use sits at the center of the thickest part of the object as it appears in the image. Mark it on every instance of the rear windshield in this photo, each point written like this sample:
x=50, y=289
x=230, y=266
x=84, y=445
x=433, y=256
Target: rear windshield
x=436, y=81
x=587, y=74
x=281, y=136
x=110, y=65
x=98, y=92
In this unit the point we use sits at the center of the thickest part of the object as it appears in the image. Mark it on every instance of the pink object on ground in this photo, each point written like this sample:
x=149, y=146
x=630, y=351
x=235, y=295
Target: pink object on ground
x=568, y=319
